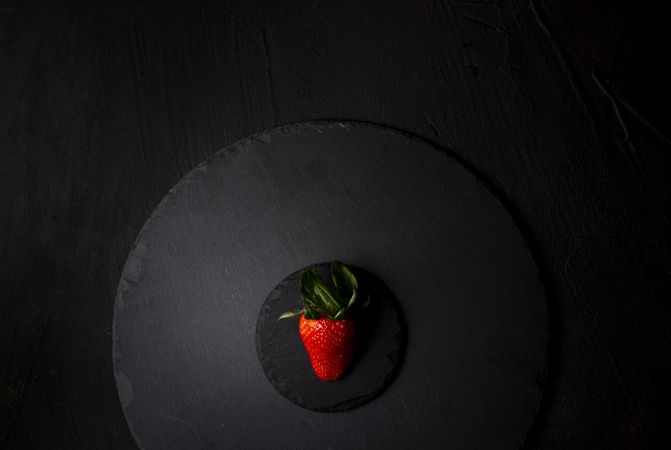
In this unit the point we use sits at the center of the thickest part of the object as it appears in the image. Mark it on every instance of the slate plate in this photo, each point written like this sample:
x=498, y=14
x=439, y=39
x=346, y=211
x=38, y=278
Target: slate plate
x=184, y=326
x=381, y=334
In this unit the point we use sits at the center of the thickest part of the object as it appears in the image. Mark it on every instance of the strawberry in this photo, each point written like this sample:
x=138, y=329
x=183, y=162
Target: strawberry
x=325, y=326
x=329, y=344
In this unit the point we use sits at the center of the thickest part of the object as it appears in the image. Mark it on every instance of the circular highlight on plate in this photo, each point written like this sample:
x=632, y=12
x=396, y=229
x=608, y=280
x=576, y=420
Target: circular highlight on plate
x=187, y=306
x=381, y=335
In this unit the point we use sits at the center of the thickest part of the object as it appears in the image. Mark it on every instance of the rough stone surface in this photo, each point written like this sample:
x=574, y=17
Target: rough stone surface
x=380, y=331
x=185, y=355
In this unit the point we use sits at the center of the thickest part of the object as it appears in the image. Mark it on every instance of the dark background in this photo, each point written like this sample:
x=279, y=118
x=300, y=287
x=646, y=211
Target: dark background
x=562, y=106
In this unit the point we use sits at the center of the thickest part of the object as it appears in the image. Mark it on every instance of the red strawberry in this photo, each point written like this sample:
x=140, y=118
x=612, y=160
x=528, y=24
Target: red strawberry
x=326, y=329
x=330, y=345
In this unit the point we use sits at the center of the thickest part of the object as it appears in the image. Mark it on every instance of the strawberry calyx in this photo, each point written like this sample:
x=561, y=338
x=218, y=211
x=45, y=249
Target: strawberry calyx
x=322, y=299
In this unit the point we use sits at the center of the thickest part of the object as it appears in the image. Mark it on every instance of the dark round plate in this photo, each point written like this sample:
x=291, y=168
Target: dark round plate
x=381, y=334
x=185, y=360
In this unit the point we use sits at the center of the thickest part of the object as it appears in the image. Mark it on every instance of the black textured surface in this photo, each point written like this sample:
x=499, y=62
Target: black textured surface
x=185, y=314
x=563, y=106
x=380, y=330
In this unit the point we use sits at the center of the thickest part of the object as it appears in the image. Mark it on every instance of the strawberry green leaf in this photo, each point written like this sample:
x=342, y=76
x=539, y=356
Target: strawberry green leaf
x=340, y=314
x=344, y=280
x=288, y=314
x=327, y=298
x=352, y=299
x=308, y=280
x=312, y=313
